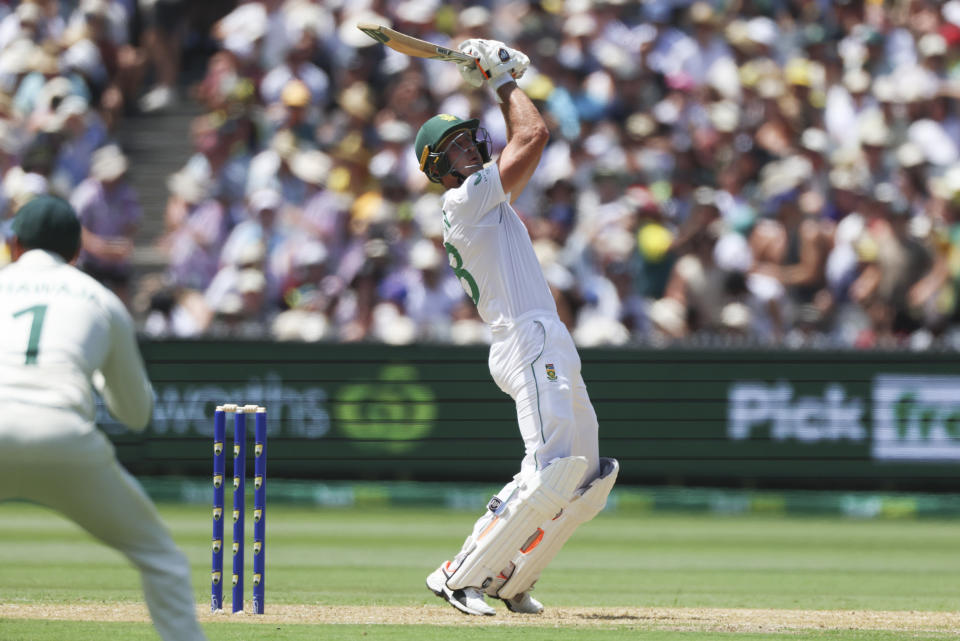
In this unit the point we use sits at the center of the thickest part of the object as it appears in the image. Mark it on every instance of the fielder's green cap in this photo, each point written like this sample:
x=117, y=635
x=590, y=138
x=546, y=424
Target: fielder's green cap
x=435, y=130
x=50, y=223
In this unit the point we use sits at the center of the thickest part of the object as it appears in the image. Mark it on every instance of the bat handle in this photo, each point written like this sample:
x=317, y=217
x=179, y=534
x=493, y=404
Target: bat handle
x=485, y=74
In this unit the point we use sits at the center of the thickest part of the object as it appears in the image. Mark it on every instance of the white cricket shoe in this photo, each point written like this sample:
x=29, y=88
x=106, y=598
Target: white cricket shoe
x=523, y=603
x=467, y=600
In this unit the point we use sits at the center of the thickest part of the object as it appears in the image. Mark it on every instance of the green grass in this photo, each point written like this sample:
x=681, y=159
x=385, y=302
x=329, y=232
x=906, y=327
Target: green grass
x=380, y=557
x=85, y=631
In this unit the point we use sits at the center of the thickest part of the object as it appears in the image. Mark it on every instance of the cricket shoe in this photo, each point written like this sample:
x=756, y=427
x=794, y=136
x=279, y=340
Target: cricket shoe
x=523, y=603
x=467, y=600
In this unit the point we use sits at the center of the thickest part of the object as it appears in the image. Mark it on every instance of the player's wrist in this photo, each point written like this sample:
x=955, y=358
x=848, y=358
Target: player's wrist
x=498, y=83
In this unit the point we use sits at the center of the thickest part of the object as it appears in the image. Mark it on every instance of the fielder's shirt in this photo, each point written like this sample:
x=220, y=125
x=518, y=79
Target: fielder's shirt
x=59, y=331
x=490, y=251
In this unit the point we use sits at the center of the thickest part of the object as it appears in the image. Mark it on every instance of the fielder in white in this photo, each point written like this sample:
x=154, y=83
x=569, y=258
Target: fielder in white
x=62, y=333
x=562, y=482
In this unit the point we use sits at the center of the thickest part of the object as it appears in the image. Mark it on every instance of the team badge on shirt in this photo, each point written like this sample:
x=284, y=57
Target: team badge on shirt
x=551, y=372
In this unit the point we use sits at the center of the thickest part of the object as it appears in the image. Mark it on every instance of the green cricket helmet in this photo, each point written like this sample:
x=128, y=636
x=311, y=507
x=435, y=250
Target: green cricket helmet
x=49, y=223
x=433, y=160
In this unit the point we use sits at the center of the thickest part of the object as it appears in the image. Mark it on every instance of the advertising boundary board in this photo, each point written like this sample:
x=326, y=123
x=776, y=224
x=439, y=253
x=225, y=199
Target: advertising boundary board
x=740, y=418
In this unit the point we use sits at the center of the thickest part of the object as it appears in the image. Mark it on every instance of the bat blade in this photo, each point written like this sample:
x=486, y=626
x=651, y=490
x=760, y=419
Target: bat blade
x=413, y=46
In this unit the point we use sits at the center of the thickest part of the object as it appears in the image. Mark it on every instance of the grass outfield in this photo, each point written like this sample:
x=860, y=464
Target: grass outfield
x=350, y=574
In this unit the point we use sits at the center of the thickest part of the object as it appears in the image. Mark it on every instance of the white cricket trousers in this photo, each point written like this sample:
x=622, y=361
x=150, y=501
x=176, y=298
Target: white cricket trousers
x=537, y=364
x=76, y=474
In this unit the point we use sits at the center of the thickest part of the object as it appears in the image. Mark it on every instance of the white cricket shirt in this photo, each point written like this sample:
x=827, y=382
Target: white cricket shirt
x=58, y=327
x=490, y=251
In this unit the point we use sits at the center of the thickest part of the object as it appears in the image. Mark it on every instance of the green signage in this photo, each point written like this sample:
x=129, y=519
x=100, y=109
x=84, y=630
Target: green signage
x=739, y=418
x=388, y=415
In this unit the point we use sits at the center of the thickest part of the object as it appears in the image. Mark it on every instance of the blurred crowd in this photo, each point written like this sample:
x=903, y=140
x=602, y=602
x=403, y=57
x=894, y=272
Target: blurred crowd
x=70, y=72
x=778, y=172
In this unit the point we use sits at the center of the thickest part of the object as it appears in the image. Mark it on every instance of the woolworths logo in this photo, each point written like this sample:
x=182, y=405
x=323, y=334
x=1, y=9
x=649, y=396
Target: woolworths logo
x=391, y=414
x=185, y=411
x=916, y=418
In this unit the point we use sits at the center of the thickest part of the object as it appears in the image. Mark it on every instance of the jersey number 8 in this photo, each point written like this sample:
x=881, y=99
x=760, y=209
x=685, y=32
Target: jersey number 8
x=466, y=279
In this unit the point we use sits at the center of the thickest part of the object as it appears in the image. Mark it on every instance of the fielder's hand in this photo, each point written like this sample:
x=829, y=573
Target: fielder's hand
x=495, y=60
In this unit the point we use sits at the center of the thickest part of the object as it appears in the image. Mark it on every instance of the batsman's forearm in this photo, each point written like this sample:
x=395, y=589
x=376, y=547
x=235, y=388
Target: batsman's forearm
x=521, y=115
x=527, y=135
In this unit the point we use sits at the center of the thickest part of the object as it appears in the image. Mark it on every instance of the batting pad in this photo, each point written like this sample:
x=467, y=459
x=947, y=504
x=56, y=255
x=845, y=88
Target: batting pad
x=530, y=561
x=539, y=498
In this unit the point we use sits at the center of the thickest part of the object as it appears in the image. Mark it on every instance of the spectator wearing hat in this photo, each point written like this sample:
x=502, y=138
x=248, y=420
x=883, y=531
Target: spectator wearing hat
x=910, y=176
x=221, y=157
x=110, y=213
x=932, y=48
x=272, y=169
x=846, y=102
x=263, y=227
x=198, y=226
x=305, y=287
x=709, y=45
x=243, y=311
x=37, y=91
x=82, y=63
x=29, y=22
x=15, y=65
x=222, y=84
x=693, y=297
x=805, y=81
x=83, y=132
x=793, y=246
x=875, y=139
x=295, y=112
x=755, y=301
x=32, y=176
x=297, y=65
x=394, y=158
x=251, y=255
x=432, y=291
x=814, y=147
x=39, y=116
x=325, y=212
x=901, y=261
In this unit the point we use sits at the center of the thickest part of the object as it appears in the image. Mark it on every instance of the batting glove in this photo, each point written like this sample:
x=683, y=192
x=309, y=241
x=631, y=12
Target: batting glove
x=472, y=75
x=498, y=62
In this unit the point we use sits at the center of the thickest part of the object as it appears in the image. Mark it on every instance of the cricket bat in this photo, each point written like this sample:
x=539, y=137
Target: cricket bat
x=413, y=46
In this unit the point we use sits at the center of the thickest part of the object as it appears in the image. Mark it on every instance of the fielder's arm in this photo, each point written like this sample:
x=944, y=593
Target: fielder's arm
x=125, y=388
x=527, y=135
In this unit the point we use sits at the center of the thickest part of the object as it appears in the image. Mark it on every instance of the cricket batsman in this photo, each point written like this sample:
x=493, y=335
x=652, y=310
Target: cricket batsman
x=562, y=482
x=62, y=335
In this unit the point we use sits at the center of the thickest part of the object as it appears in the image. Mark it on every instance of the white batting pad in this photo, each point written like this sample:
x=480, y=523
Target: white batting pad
x=537, y=499
x=586, y=504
